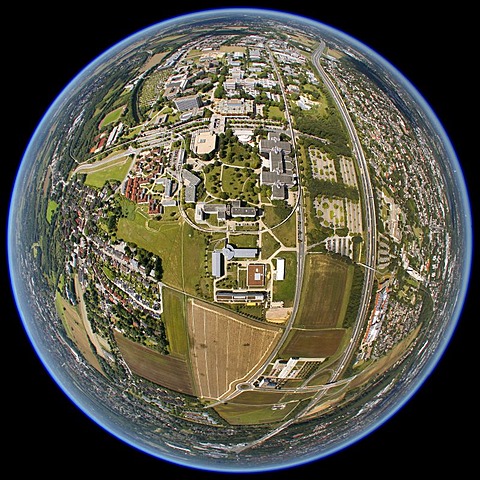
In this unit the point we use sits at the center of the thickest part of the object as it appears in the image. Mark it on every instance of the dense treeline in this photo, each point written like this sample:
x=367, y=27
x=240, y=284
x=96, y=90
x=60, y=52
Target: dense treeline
x=103, y=96
x=318, y=186
x=355, y=297
x=328, y=127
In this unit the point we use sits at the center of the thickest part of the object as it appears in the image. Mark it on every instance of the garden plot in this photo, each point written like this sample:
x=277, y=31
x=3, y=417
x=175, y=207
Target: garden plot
x=323, y=167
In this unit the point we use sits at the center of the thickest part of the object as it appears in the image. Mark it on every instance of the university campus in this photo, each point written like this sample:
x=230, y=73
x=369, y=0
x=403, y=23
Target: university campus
x=249, y=243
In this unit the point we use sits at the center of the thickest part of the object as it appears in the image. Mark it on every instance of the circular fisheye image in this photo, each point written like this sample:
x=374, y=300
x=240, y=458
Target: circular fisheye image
x=239, y=240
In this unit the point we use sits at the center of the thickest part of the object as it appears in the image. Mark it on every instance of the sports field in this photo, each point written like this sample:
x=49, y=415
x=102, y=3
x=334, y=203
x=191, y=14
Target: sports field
x=326, y=291
x=225, y=348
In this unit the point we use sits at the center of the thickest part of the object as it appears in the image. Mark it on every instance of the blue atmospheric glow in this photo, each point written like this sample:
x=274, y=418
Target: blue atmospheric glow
x=23, y=303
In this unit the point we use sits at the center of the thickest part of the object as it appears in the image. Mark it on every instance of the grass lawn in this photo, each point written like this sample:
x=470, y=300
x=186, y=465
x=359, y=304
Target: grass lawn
x=166, y=243
x=274, y=113
x=285, y=289
x=181, y=248
x=112, y=171
x=51, y=207
x=112, y=116
x=287, y=232
x=174, y=318
x=269, y=245
x=244, y=240
x=233, y=180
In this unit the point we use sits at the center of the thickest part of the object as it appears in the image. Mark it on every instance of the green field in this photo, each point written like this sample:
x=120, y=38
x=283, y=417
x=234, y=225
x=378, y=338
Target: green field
x=238, y=414
x=244, y=240
x=274, y=113
x=51, y=208
x=114, y=171
x=237, y=181
x=181, y=248
x=269, y=245
x=325, y=293
x=287, y=232
x=112, y=116
x=285, y=289
x=173, y=317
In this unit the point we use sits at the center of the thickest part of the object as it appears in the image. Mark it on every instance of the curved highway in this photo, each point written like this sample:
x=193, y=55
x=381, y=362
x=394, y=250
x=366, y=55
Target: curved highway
x=370, y=226
x=370, y=234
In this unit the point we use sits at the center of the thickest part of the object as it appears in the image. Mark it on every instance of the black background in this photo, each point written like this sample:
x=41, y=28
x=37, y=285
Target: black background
x=434, y=48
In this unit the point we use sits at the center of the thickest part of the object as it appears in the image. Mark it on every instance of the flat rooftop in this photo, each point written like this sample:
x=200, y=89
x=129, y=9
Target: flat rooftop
x=256, y=275
x=204, y=143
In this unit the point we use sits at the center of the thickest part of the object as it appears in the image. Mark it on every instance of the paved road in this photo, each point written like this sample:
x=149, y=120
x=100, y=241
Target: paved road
x=369, y=213
x=370, y=249
x=300, y=248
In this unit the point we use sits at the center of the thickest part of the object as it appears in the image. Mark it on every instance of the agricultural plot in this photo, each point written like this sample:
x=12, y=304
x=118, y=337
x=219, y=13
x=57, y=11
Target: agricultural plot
x=224, y=347
x=75, y=329
x=325, y=294
x=173, y=317
x=313, y=343
x=164, y=370
x=239, y=414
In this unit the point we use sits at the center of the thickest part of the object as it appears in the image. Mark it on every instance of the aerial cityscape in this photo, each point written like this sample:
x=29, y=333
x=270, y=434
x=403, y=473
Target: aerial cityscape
x=248, y=237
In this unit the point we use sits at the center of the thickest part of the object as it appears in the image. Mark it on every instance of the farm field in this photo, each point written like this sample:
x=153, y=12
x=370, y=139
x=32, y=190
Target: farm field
x=224, y=347
x=253, y=407
x=325, y=293
x=313, y=343
x=165, y=370
x=75, y=329
x=239, y=414
x=173, y=317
